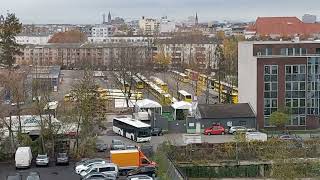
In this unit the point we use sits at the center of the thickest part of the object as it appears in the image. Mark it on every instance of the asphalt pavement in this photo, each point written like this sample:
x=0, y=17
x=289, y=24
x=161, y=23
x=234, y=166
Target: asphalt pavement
x=46, y=173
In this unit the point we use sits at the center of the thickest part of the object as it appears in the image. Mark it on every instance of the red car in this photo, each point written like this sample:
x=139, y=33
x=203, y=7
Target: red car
x=214, y=130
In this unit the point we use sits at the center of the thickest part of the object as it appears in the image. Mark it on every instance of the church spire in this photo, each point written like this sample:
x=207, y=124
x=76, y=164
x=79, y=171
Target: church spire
x=196, y=20
x=109, y=17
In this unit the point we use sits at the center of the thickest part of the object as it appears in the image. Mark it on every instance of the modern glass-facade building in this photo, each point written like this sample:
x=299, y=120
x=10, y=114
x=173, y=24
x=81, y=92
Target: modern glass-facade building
x=277, y=75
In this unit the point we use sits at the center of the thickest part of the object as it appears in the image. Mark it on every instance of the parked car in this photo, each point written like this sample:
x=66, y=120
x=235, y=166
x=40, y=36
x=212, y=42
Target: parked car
x=117, y=144
x=33, y=176
x=288, y=137
x=87, y=165
x=14, y=177
x=23, y=157
x=131, y=147
x=139, y=177
x=235, y=129
x=107, y=168
x=42, y=160
x=99, y=176
x=82, y=161
x=156, y=132
x=101, y=146
x=144, y=170
x=62, y=158
x=214, y=130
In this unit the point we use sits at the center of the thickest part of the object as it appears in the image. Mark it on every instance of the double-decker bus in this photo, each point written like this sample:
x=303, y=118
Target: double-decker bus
x=132, y=129
x=184, y=96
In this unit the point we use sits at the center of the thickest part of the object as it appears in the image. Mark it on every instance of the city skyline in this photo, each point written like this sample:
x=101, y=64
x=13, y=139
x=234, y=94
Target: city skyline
x=90, y=12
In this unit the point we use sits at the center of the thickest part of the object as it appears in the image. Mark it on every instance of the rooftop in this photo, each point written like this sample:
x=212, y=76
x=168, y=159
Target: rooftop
x=283, y=26
x=216, y=111
x=133, y=122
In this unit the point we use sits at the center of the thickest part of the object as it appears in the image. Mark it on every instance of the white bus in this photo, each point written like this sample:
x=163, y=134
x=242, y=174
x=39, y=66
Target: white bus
x=132, y=129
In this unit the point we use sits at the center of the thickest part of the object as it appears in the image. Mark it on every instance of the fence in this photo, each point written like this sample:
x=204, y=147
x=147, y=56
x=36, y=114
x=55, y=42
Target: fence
x=173, y=172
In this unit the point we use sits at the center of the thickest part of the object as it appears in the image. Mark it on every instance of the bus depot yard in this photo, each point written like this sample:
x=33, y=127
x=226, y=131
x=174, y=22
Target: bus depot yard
x=166, y=121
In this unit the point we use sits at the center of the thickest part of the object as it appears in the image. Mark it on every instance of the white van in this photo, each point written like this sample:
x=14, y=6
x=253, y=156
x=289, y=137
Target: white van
x=108, y=168
x=23, y=157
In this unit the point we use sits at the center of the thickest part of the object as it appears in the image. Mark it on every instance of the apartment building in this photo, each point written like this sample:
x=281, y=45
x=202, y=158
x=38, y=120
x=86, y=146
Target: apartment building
x=32, y=38
x=278, y=74
x=187, y=52
x=102, y=30
x=149, y=26
x=101, y=56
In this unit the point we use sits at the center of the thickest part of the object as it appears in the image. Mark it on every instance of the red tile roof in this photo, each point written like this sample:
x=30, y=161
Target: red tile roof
x=283, y=26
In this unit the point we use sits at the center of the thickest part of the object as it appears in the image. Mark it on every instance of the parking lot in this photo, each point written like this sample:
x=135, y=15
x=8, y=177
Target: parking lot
x=54, y=172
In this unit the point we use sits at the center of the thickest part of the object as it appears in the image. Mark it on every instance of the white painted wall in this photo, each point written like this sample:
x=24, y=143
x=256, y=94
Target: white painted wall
x=37, y=40
x=247, y=74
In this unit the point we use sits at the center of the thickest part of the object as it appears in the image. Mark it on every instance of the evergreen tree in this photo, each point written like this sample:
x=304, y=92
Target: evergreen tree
x=9, y=28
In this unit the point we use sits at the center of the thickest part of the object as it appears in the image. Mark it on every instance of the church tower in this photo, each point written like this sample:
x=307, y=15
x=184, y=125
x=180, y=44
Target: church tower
x=109, y=17
x=196, y=20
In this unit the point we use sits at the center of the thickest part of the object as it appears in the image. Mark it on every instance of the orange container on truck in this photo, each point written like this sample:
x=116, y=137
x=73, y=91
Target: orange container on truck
x=129, y=159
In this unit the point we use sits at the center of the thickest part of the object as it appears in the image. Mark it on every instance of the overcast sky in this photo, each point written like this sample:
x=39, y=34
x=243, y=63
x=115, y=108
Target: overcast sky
x=90, y=11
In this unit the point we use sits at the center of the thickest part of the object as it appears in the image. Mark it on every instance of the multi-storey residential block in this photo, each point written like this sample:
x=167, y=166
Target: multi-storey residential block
x=149, y=26
x=101, y=56
x=35, y=39
x=102, y=30
x=281, y=74
x=190, y=52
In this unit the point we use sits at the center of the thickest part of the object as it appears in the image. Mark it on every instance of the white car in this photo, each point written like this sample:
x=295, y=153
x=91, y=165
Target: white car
x=108, y=168
x=87, y=165
x=235, y=129
x=42, y=160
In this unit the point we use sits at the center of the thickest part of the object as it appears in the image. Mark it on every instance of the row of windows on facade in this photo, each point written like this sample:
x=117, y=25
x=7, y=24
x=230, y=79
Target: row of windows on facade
x=296, y=104
x=285, y=52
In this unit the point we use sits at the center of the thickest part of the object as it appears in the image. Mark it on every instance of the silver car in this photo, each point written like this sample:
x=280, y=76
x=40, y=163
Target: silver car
x=42, y=160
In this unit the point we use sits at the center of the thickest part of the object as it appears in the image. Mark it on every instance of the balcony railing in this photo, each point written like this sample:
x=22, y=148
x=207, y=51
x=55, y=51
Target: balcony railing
x=279, y=55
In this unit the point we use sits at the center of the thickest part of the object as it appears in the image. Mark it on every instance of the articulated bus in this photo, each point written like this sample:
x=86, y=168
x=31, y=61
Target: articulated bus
x=183, y=78
x=203, y=79
x=132, y=129
x=184, y=96
x=159, y=82
x=138, y=83
x=119, y=94
x=193, y=75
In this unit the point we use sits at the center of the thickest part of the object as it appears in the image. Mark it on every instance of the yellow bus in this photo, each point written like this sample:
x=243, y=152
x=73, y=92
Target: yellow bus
x=67, y=98
x=119, y=94
x=184, y=96
x=160, y=83
x=203, y=79
x=183, y=78
x=138, y=83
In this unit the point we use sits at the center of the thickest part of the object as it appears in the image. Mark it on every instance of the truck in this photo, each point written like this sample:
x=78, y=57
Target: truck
x=256, y=136
x=130, y=159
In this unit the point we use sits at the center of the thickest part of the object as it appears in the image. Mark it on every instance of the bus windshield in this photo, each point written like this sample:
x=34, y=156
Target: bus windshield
x=144, y=132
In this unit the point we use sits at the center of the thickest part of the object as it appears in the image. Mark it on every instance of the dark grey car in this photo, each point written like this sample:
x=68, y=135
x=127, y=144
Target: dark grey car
x=33, y=176
x=99, y=176
x=62, y=158
x=101, y=146
x=117, y=145
x=14, y=177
